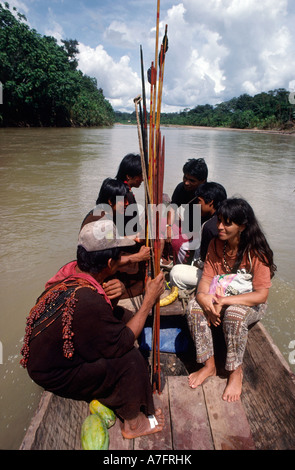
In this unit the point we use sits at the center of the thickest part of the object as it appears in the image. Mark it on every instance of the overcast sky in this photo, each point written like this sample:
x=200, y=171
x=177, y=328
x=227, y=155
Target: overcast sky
x=218, y=49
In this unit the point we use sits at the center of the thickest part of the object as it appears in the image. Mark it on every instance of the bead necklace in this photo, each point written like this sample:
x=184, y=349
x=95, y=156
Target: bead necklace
x=225, y=264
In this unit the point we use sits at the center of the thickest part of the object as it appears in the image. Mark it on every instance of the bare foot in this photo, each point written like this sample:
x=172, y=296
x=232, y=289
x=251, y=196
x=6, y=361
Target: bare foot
x=197, y=378
x=233, y=390
x=141, y=425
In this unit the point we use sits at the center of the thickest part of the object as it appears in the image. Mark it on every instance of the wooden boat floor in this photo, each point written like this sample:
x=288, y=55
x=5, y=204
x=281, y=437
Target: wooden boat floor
x=264, y=419
x=195, y=420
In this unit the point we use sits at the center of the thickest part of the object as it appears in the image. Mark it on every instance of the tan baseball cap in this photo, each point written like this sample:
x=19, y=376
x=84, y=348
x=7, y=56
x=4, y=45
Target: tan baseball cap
x=102, y=235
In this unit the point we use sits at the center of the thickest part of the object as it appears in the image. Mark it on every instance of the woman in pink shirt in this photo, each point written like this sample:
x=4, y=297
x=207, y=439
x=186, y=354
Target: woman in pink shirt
x=240, y=245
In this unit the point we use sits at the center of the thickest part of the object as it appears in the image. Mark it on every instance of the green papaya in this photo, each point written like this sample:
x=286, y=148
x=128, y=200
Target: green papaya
x=105, y=413
x=94, y=434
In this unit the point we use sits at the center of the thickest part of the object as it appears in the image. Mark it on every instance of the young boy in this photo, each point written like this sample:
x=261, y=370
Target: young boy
x=209, y=196
x=195, y=173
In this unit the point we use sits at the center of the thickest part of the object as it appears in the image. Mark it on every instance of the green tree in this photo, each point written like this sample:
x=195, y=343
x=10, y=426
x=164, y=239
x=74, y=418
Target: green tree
x=41, y=83
x=91, y=108
x=244, y=119
x=201, y=115
x=71, y=48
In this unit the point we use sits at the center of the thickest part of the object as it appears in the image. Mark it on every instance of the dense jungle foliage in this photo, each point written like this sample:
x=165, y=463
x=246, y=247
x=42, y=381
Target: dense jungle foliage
x=271, y=110
x=41, y=85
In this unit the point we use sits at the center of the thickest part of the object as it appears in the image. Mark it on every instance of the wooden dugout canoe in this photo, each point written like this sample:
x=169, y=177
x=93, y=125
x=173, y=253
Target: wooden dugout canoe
x=264, y=419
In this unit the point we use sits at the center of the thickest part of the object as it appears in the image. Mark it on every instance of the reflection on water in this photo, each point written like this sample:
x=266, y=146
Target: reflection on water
x=50, y=179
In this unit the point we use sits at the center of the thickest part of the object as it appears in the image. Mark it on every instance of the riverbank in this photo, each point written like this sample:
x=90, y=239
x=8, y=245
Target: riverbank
x=289, y=131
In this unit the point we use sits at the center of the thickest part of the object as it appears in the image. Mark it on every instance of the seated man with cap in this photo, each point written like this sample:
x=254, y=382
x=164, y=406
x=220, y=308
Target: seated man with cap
x=77, y=345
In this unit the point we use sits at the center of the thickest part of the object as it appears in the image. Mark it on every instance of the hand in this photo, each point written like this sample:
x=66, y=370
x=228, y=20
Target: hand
x=155, y=288
x=206, y=302
x=213, y=318
x=114, y=288
x=219, y=299
x=143, y=254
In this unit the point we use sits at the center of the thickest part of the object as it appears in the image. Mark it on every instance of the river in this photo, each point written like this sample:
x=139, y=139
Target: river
x=50, y=179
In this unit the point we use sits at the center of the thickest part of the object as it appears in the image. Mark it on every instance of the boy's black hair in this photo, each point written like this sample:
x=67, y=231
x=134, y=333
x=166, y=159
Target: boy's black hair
x=130, y=165
x=212, y=192
x=197, y=168
x=110, y=190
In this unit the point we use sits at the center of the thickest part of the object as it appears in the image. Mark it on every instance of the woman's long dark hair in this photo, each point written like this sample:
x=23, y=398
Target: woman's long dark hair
x=252, y=238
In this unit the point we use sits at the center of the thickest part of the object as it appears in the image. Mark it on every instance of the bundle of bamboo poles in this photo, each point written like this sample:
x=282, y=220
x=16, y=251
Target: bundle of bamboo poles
x=152, y=152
